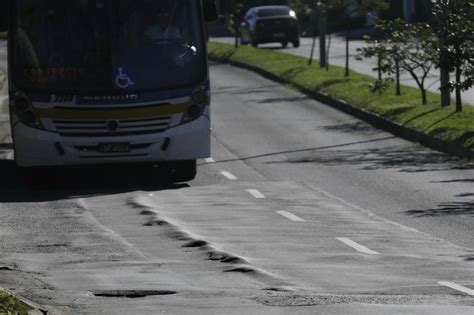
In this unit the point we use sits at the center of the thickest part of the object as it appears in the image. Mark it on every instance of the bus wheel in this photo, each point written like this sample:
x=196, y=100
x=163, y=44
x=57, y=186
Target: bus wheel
x=183, y=171
x=38, y=178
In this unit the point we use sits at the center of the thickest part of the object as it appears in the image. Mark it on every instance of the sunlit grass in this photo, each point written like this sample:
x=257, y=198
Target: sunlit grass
x=444, y=123
x=11, y=305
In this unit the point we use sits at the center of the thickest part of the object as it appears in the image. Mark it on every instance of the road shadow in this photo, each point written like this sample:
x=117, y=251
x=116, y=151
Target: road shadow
x=78, y=181
x=283, y=100
x=445, y=209
x=239, y=90
x=406, y=159
x=360, y=127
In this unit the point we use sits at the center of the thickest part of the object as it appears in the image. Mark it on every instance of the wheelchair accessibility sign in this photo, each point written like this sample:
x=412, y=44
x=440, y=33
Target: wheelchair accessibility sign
x=123, y=80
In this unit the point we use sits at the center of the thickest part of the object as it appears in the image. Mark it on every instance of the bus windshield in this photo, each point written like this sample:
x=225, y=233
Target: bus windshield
x=107, y=46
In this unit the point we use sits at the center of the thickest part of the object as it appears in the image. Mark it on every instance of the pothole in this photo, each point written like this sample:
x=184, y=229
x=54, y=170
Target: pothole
x=132, y=294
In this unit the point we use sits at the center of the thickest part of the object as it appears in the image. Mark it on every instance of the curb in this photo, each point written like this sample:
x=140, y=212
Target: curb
x=452, y=148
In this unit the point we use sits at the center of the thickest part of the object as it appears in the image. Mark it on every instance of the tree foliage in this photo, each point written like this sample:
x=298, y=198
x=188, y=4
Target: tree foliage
x=454, y=27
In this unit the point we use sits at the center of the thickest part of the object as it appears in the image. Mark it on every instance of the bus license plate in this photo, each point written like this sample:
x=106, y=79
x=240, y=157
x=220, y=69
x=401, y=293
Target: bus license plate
x=114, y=147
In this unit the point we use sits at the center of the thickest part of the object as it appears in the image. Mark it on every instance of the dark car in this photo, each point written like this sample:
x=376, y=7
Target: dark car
x=268, y=24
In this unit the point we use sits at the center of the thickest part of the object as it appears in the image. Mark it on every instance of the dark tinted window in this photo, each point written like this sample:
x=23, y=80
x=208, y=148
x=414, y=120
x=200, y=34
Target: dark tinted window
x=98, y=45
x=273, y=12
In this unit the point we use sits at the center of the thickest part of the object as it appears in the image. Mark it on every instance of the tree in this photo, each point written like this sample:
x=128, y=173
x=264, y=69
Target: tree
x=381, y=50
x=231, y=19
x=353, y=7
x=416, y=52
x=408, y=47
x=454, y=27
x=387, y=51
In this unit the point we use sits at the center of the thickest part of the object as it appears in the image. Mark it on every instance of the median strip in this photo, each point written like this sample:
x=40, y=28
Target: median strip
x=357, y=246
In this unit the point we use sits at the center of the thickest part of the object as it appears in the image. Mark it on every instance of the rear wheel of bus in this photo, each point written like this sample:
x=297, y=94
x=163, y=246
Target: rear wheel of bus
x=38, y=177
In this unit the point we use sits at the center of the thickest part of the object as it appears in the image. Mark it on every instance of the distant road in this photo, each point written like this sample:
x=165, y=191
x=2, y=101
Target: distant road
x=337, y=57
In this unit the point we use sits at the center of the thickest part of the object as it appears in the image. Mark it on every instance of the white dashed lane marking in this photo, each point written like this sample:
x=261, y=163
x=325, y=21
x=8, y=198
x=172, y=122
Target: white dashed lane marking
x=257, y=194
x=209, y=160
x=457, y=287
x=228, y=175
x=290, y=216
x=357, y=246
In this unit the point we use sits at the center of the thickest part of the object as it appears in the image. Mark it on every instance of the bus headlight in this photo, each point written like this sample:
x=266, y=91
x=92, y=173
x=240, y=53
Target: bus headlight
x=196, y=106
x=25, y=113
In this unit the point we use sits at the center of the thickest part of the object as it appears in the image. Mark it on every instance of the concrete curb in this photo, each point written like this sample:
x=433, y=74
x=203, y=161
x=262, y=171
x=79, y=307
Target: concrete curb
x=401, y=131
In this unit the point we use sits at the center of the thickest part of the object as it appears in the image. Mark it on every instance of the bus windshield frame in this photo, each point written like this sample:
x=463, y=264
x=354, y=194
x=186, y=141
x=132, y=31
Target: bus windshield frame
x=168, y=54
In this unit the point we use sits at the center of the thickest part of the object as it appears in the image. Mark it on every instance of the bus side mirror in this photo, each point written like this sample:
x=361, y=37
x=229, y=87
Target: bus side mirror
x=210, y=10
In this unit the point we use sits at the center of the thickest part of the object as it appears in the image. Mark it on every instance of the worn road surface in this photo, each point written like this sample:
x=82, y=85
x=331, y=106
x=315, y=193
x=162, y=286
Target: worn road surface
x=302, y=209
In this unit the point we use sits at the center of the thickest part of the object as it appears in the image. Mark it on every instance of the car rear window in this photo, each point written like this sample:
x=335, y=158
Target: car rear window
x=273, y=12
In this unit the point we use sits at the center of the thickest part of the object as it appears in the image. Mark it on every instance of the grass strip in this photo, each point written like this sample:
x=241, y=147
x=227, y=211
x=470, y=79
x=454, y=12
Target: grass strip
x=11, y=305
x=406, y=110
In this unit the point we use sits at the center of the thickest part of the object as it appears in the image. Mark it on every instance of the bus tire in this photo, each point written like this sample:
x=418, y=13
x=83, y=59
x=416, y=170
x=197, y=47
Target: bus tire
x=38, y=178
x=183, y=171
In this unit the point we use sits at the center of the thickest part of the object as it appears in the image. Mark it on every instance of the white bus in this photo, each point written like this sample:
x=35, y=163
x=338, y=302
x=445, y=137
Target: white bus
x=109, y=81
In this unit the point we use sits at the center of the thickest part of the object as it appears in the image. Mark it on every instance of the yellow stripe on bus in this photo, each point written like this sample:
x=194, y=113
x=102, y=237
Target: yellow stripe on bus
x=116, y=113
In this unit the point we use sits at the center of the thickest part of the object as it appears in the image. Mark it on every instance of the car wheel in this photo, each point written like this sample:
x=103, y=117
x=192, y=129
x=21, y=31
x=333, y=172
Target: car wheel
x=296, y=43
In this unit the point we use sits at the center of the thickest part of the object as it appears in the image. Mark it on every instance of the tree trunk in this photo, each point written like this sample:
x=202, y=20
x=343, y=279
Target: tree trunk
x=310, y=61
x=379, y=67
x=327, y=52
x=397, y=74
x=348, y=32
x=423, y=96
x=322, y=40
x=458, y=90
x=444, y=75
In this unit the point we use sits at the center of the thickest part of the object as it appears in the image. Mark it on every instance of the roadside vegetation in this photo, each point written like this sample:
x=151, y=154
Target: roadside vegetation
x=11, y=305
x=357, y=90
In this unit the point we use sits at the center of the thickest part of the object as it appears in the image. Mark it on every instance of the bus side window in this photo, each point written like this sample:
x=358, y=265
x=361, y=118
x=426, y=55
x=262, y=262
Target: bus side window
x=4, y=17
x=210, y=10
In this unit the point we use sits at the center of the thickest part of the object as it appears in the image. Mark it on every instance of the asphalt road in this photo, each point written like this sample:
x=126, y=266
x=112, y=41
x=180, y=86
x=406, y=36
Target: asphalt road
x=337, y=57
x=302, y=209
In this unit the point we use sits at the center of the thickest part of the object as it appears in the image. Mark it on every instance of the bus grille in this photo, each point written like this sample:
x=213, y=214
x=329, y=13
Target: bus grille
x=103, y=128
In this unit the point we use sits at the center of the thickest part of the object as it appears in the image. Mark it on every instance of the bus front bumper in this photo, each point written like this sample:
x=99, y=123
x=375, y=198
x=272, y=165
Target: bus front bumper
x=35, y=147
